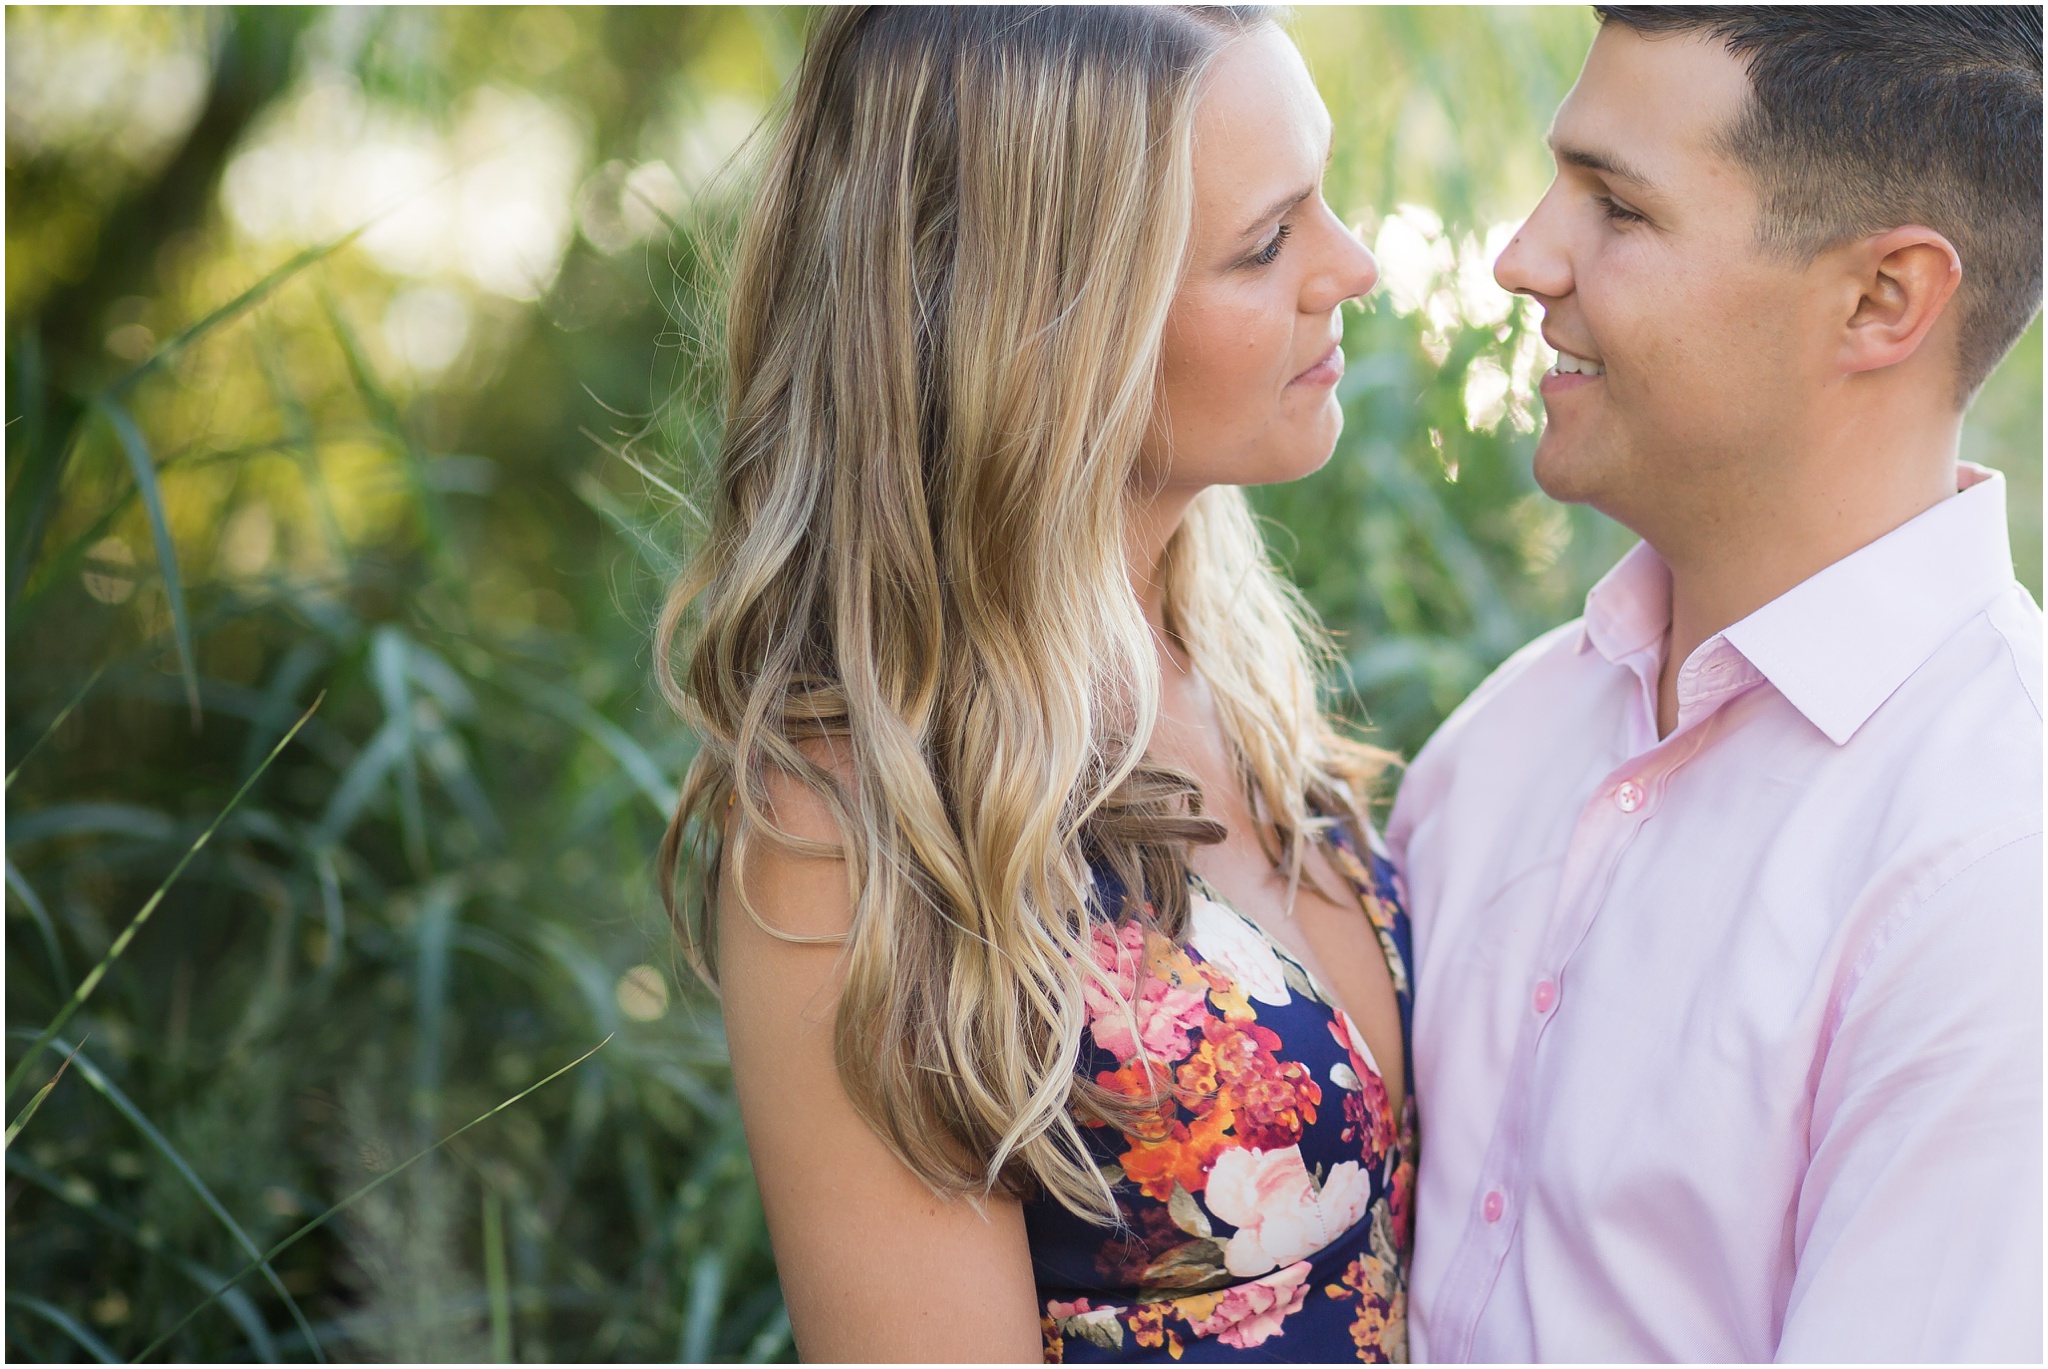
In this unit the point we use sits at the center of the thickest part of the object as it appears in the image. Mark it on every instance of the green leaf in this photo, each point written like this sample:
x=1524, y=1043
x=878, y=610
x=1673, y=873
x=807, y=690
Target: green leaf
x=143, y=465
x=97, y=972
x=386, y=1177
x=1100, y=1327
x=1191, y=1267
x=1187, y=1214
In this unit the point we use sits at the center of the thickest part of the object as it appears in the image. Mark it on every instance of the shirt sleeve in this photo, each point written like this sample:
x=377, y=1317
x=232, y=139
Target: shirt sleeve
x=1918, y=1232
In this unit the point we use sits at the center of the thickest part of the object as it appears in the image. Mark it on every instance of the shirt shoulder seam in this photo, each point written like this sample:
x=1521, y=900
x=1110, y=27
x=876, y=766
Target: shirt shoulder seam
x=1915, y=899
x=2031, y=688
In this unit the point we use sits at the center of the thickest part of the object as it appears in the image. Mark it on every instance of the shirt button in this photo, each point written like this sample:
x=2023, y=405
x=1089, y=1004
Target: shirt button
x=1545, y=997
x=1491, y=1209
x=1629, y=797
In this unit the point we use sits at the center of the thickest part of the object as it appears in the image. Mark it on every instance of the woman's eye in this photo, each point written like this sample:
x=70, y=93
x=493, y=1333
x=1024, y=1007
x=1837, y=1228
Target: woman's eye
x=1270, y=253
x=1615, y=211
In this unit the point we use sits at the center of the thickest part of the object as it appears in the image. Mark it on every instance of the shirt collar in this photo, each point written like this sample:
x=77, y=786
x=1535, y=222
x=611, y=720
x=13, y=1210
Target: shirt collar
x=1839, y=643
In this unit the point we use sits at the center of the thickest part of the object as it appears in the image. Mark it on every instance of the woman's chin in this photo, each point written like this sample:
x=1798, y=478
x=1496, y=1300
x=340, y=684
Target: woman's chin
x=1300, y=458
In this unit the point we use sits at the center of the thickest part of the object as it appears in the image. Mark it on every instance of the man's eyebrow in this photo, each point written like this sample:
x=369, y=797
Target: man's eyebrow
x=1606, y=163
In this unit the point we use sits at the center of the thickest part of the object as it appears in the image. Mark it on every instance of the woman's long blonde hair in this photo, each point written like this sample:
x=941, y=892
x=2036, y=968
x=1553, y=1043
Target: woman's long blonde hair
x=943, y=346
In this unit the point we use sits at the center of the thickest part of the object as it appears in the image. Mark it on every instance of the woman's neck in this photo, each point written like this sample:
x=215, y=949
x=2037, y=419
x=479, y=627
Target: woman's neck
x=1152, y=521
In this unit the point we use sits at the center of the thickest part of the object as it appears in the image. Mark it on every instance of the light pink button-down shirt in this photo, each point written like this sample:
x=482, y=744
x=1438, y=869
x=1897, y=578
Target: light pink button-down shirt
x=1728, y=1046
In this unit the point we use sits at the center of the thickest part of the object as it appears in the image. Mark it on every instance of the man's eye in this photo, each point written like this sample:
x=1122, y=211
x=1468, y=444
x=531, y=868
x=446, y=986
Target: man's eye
x=1615, y=212
x=1270, y=253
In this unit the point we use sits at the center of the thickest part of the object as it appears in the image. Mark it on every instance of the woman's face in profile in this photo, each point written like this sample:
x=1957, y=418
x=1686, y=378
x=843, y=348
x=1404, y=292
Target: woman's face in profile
x=1251, y=360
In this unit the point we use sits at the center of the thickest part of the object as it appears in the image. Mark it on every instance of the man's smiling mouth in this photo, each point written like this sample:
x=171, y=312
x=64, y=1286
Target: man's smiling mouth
x=1569, y=365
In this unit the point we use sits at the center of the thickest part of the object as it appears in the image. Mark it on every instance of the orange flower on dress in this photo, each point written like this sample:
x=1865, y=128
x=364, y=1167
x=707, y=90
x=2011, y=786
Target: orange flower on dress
x=1148, y=1327
x=1182, y=1156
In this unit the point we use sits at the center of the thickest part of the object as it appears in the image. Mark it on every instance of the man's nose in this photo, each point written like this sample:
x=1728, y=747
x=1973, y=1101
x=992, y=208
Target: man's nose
x=1534, y=262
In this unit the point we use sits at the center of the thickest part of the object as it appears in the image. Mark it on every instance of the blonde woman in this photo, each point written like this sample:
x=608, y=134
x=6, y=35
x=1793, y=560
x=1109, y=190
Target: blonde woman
x=1064, y=986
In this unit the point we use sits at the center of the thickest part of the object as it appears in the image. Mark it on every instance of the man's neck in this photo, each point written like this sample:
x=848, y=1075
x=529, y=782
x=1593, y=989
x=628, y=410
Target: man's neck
x=1726, y=567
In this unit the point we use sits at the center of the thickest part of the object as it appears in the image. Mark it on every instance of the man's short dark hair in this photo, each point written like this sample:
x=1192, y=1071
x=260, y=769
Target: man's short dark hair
x=1867, y=117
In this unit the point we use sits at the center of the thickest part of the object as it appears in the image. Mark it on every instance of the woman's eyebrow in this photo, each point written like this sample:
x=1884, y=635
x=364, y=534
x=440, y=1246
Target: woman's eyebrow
x=1278, y=207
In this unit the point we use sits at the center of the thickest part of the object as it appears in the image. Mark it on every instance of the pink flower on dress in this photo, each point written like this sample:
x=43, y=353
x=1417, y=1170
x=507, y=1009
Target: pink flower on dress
x=1251, y=1313
x=1161, y=1016
x=1280, y=1212
x=1068, y=1309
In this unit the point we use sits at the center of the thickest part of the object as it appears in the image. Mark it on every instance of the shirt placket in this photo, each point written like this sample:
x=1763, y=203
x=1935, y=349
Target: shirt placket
x=1607, y=826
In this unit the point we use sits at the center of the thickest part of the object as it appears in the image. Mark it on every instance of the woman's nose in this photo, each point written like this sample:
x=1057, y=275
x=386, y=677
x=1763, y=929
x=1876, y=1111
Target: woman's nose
x=1351, y=272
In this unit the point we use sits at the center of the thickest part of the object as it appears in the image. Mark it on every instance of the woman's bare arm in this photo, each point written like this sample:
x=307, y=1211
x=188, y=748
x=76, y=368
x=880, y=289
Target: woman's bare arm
x=874, y=1266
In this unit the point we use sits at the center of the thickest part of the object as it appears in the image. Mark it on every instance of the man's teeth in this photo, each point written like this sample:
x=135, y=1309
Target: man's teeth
x=1569, y=365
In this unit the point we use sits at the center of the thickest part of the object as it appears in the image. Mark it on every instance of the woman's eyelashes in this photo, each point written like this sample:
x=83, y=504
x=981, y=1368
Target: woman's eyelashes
x=1270, y=253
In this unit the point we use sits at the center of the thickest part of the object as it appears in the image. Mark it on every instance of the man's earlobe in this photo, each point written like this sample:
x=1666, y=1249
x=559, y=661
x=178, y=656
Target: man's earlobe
x=1905, y=278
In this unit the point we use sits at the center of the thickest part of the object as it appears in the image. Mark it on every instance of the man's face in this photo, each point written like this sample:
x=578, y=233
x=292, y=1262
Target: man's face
x=1693, y=346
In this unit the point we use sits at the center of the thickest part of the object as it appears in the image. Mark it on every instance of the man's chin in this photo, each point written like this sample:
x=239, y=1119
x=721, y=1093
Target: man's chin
x=1566, y=469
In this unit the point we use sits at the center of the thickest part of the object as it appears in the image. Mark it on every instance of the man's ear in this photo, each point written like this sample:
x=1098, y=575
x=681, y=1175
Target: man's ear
x=1903, y=279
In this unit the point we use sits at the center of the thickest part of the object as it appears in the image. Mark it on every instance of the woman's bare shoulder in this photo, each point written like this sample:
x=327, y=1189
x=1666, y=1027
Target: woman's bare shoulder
x=791, y=865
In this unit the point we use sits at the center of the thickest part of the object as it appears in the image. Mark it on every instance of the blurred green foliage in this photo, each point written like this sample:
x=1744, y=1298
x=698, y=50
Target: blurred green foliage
x=426, y=474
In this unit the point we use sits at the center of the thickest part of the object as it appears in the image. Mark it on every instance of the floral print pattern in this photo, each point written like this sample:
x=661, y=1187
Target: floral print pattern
x=1264, y=1182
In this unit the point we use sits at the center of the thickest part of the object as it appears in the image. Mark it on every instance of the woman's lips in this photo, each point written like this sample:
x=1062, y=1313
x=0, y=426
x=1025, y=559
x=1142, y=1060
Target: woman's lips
x=1325, y=372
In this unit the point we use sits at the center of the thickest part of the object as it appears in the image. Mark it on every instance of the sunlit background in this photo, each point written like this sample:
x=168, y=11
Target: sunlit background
x=364, y=354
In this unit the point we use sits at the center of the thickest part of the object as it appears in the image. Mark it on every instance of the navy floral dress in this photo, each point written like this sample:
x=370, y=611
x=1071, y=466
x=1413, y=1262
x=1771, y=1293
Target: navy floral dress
x=1266, y=1202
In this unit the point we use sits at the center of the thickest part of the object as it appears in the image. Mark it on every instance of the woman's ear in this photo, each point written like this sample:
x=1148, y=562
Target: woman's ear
x=1903, y=279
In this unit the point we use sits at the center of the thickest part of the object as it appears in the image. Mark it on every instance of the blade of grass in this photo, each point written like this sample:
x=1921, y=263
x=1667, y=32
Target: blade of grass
x=234, y=1301
x=55, y=723
x=388, y=668
x=233, y=309
x=65, y=1322
x=49, y=432
x=299, y=425
x=613, y=510
x=293, y=673
x=433, y=927
x=384, y=413
x=707, y=1295
x=108, y=1090
x=770, y=1340
x=631, y=756
x=359, y=783
x=58, y=567
x=143, y=465
x=14, y=1127
x=98, y=972
x=386, y=1177
x=60, y=973
x=494, y=1276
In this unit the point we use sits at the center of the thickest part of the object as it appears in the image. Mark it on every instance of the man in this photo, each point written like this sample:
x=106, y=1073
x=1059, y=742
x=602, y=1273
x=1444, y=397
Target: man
x=1727, y=897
